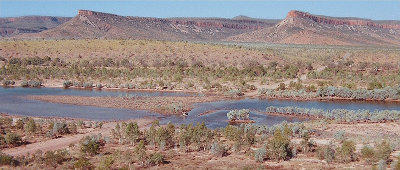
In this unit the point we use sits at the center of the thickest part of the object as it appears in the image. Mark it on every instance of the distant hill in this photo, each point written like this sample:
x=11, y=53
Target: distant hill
x=304, y=28
x=29, y=24
x=91, y=24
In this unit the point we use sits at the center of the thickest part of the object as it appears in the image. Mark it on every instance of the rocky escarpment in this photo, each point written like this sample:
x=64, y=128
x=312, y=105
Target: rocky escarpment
x=341, y=21
x=92, y=24
x=305, y=28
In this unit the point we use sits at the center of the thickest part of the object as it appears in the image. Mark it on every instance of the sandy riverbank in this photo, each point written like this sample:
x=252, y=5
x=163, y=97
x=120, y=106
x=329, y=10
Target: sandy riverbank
x=166, y=105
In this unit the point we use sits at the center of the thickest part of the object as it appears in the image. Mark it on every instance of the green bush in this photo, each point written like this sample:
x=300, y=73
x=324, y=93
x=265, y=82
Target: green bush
x=156, y=159
x=140, y=152
x=13, y=139
x=67, y=84
x=326, y=153
x=383, y=151
x=374, y=85
x=368, y=154
x=60, y=128
x=24, y=84
x=346, y=153
x=259, y=154
x=278, y=146
x=2, y=141
x=106, y=163
x=8, y=82
x=82, y=163
x=242, y=114
x=132, y=132
x=7, y=160
x=30, y=126
x=55, y=158
x=72, y=128
x=91, y=144
x=19, y=124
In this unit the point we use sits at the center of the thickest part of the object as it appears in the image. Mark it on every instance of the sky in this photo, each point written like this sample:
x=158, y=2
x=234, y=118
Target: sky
x=268, y=9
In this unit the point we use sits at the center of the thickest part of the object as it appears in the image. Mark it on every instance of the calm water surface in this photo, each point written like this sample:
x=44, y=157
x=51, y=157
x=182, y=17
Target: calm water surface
x=12, y=101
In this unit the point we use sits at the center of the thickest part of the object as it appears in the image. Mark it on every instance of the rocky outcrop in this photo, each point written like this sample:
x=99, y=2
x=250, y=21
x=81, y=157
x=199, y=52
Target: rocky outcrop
x=341, y=21
x=304, y=28
x=198, y=22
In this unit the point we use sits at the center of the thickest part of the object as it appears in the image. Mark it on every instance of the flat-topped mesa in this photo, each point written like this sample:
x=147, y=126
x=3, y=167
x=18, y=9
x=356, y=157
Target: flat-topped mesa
x=340, y=21
x=93, y=13
x=85, y=12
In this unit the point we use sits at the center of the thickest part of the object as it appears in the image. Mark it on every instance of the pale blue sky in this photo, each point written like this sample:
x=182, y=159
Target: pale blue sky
x=271, y=9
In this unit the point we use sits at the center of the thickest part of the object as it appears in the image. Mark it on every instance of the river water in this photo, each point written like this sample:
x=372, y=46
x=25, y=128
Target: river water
x=12, y=101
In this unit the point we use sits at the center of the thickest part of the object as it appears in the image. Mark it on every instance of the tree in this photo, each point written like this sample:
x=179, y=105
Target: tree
x=278, y=146
x=132, y=132
x=30, y=126
x=140, y=152
x=91, y=144
x=346, y=153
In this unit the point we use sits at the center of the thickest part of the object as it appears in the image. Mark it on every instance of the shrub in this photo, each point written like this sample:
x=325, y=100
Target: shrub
x=30, y=126
x=339, y=136
x=278, y=146
x=259, y=154
x=374, y=85
x=13, y=139
x=99, y=85
x=345, y=153
x=242, y=114
x=281, y=86
x=140, y=152
x=67, y=84
x=60, y=128
x=368, y=154
x=88, y=85
x=383, y=151
x=83, y=163
x=382, y=165
x=156, y=159
x=217, y=150
x=19, y=124
x=54, y=158
x=132, y=132
x=5, y=121
x=326, y=153
x=2, y=140
x=234, y=92
x=7, y=160
x=24, y=84
x=396, y=164
x=34, y=83
x=91, y=144
x=106, y=163
x=8, y=82
x=72, y=127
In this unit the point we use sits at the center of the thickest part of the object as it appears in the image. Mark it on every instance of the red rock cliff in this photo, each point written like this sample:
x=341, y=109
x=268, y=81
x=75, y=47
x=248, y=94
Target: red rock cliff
x=338, y=21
